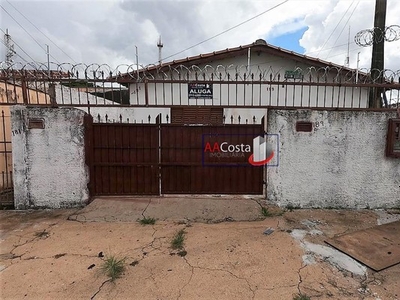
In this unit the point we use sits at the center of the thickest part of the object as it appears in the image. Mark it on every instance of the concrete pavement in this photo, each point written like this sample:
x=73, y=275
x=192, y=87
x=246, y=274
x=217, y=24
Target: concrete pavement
x=189, y=208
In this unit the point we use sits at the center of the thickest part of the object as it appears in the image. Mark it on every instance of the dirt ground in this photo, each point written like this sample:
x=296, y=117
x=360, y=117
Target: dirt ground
x=44, y=255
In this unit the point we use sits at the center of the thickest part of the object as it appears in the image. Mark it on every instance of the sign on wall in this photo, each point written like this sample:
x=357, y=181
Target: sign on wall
x=200, y=91
x=240, y=150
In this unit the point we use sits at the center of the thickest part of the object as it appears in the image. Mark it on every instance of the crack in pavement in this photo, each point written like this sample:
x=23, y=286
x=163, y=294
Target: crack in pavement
x=151, y=244
x=100, y=287
x=190, y=278
x=253, y=291
x=300, y=279
x=37, y=237
x=146, y=208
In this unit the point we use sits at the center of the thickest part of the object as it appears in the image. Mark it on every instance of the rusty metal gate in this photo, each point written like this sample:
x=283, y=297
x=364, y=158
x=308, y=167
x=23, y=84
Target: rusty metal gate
x=153, y=159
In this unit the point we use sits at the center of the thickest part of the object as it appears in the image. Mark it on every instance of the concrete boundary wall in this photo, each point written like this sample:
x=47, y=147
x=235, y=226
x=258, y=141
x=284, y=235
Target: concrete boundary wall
x=49, y=162
x=340, y=164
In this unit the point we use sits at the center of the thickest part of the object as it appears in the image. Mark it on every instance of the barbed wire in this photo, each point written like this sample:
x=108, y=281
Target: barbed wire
x=367, y=37
x=130, y=74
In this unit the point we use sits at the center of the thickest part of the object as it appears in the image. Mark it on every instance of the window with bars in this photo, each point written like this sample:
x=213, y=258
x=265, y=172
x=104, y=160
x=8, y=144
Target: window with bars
x=393, y=138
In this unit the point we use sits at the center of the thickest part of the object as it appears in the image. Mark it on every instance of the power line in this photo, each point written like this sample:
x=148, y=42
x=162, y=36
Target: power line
x=338, y=46
x=229, y=29
x=348, y=19
x=27, y=32
x=337, y=25
x=15, y=52
x=20, y=48
x=41, y=32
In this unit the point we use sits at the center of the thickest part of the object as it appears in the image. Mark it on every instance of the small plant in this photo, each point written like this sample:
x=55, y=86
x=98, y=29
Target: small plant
x=265, y=212
x=113, y=267
x=42, y=234
x=178, y=240
x=301, y=297
x=147, y=221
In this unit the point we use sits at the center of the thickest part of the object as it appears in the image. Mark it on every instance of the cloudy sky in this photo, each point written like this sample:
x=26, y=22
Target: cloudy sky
x=108, y=32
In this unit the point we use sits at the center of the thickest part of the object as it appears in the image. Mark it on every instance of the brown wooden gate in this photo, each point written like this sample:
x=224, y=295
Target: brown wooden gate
x=187, y=169
x=138, y=159
x=123, y=159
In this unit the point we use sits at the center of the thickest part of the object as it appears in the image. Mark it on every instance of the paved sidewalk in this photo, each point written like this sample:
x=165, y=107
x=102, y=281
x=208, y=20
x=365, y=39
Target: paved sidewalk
x=205, y=209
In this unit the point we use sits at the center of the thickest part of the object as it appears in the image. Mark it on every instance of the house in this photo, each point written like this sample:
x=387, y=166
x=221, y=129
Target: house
x=243, y=79
x=254, y=119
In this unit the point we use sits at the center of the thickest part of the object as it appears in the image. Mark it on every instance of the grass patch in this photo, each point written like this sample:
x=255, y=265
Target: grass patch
x=178, y=240
x=147, y=221
x=113, y=267
x=301, y=297
x=265, y=212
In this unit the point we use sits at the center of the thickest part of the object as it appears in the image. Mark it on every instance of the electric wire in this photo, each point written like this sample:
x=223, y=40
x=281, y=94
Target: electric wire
x=20, y=48
x=227, y=30
x=15, y=52
x=42, y=32
x=348, y=19
x=23, y=28
x=337, y=25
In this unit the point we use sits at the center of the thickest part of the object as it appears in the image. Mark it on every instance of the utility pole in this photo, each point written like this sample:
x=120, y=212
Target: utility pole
x=378, y=53
x=48, y=59
x=347, y=61
x=159, y=45
x=10, y=49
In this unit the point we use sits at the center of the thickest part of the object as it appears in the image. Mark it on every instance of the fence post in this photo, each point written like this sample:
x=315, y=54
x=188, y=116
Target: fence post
x=24, y=90
x=52, y=94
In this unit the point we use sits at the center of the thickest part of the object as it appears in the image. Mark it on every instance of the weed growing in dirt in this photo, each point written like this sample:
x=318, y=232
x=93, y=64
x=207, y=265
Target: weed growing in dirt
x=301, y=297
x=113, y=267
x=147, y=221
x=265, y=212
x=178, y=240
x=42, y=234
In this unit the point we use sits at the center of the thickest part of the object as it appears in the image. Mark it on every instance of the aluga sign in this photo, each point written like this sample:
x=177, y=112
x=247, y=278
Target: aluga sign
x=262, y=152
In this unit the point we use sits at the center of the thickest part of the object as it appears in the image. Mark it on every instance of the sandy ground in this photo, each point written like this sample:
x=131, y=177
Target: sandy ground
x=46, y=256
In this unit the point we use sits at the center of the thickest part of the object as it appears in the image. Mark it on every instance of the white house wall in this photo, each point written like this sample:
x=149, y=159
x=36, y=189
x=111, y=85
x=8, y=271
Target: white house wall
x=233, y=94
x=342, y=163
x=49, y=163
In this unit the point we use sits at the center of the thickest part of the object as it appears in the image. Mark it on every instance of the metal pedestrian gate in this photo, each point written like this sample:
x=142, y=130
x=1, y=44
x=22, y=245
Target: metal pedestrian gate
x=154, y=159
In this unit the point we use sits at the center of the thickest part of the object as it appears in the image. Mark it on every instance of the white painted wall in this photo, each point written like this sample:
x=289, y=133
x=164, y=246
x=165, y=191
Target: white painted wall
x=49, y=164
x=250, y=94
x=341, y=163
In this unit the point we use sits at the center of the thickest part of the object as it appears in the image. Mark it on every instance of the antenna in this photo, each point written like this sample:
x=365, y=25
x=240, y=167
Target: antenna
x=159, y=45
x=347, y=62
x=358, y=65
x=48, y=59
x=10, y=49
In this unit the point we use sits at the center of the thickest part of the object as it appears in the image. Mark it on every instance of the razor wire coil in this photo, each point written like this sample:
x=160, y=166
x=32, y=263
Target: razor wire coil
x=368, y=37
x=192, y=73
